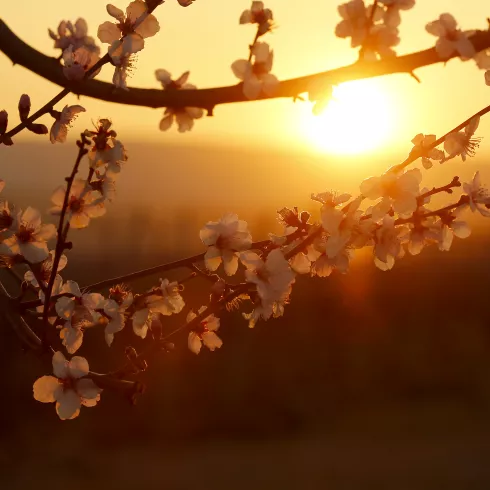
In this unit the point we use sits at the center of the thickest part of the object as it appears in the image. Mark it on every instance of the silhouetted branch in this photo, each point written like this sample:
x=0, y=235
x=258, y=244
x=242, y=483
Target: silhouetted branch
x=50, y=68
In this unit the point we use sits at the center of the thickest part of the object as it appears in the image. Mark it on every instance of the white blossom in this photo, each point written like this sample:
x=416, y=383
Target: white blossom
x=462, y=142
x=69, y=388
x=184, y=116
x=388, y=243
x=422, y=146
x=77, y=62
x=69, y=34
x=451, y=39
x=45, y=269
x=450, y=226
x=224, y=238
x=478, y=195
x=259, y=15
x=134, y=27
x=63, y=121
x=398, y=191
x=30, y=236
x=83, y=203
x=256, y=76
x=205, y=333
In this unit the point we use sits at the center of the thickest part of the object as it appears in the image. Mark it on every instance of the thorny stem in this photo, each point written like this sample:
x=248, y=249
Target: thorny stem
x=62, y=231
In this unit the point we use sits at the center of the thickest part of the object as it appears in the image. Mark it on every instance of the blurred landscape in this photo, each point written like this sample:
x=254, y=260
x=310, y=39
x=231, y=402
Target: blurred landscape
x=370, y=380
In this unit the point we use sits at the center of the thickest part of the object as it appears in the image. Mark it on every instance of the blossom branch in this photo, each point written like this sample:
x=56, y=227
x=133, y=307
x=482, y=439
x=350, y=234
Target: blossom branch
x=49, y=68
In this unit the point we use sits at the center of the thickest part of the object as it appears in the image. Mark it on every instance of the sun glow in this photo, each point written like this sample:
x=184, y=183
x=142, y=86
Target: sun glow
x=357, y=119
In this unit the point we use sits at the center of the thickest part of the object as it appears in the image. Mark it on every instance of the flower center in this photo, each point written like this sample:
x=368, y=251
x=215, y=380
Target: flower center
x=5, y=220
x=25, y=234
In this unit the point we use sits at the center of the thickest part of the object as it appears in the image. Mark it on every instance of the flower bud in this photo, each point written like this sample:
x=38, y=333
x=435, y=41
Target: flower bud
x=38, y=128
x=24, y=107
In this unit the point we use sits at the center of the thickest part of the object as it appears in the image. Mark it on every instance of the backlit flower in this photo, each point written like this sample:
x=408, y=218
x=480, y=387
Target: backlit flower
x=45, y=269
x=259, y=15
x=422, y=147
x=462, y=142
x=83, y=203
x=78, y=62
x=63, y=121
x=479, y=196
x=30, y=236
x=68, y=388
x=69, y=34
x=204, y=333
x=451, y=39
x=256, y=76
x=135, y=26
x=224, y=238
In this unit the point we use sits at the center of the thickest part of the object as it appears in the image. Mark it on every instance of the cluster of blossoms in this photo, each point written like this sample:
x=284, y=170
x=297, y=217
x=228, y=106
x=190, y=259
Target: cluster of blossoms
x=391, y=215
x=374, y=28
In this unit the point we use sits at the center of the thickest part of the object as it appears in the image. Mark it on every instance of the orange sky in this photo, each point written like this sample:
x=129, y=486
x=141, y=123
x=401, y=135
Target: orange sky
x=206, y=39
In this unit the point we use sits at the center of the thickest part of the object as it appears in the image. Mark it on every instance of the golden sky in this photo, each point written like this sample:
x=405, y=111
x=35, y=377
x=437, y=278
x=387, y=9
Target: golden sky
x=206, y=38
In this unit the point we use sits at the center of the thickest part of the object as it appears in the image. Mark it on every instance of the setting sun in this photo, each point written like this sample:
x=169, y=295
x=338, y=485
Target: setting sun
x=357, y=119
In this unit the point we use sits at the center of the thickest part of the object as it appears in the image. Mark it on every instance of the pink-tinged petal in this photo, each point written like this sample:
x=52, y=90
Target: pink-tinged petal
x=78, y=367
x=212, y=258
x=472, y=126
x=166, y=122
x=87, y=389
x=115, y=12
x=72, y=287
x=261, y=52
x=211, y=341
x=44, y=389
x=34, y=252
x=95, y=210
x=230, y=262
x=140, y=322
x=79, y=220
x=58, y=196
x=252, y=87
x=449, y=22
x=184, y=122
x=108, y=32
x=163, y=76
x=149, y=27
x=270, y=83
x=251, y=260
x=46, y=232
x=194, y=112
x=371, y=188
x=246, y=17
x=436, y=28
x=209, y=234
x=68, y=405
x=135, y=10
x=445, y=48
x=58, y=133
x=240, y=68
x=60, y=365
x=194, y=343
x=461, y=229
x=72, y=338
x=64, y=307
x=133, y=43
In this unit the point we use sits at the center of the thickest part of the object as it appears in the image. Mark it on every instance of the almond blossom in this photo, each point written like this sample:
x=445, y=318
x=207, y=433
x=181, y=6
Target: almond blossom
x=63, y=120
x=204, y=333
x=83, y=203
x=134, y=27
x=184, y=116
x=69, y=388
x=45, y=269
x=392, y=14
x=324, y=263
x=462, y=142
x=259, y=15
x=273, y=278
x=69, y=34
x=165, y=300
x=380, y=41
x=79, y=313
x=451, y=39
x=224, y=238
x=115, y=309
x=30, y=236
x=123, y=65
x=478, y=196
x=423, y=146
x=388, y=243
x=356, y=20
x=78, y=62
x=256, y=76
x=451, y=226
x=398, y=191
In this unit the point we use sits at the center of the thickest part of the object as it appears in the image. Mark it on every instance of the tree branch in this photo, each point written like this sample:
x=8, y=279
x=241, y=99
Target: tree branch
x=49, y=68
